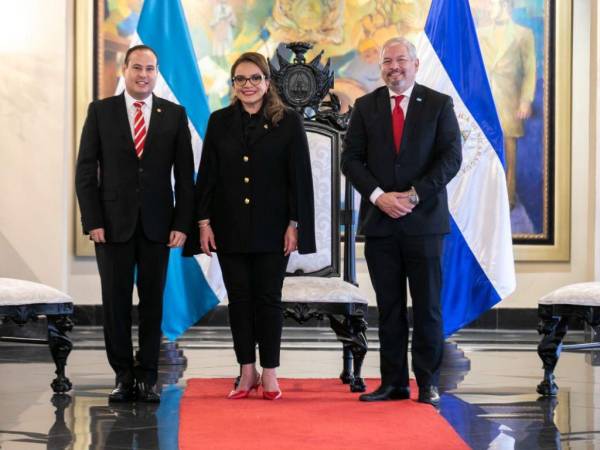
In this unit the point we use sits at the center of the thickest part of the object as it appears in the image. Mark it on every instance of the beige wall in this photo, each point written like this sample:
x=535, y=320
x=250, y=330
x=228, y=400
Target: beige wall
x=36, y=167
x=35, y=128
x=594, y=372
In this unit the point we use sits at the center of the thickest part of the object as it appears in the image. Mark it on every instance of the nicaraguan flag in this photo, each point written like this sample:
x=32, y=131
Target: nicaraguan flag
x=189, y=295
x=478, y=266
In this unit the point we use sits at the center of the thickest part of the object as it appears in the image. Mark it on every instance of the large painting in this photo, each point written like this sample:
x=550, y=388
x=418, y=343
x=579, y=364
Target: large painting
x=521, y=41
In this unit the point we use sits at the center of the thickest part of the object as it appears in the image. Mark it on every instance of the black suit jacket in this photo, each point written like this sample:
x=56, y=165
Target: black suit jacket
x=250, y=191
x=430, y=155
x=115, y=188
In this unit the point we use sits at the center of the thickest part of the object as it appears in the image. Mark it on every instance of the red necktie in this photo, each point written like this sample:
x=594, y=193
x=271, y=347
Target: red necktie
x=139, y=129
x=398, y=121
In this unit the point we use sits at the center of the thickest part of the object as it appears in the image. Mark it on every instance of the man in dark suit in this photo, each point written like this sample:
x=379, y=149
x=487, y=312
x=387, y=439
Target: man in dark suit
x=130, y=145
x=401, y=149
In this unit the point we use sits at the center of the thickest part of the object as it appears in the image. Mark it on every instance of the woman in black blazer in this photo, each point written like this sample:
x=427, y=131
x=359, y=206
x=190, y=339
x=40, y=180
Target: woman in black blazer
x=254, y=207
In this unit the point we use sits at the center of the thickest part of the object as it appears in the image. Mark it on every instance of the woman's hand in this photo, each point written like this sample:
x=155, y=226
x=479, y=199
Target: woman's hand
x=290, y=240
x=176, y=239
x=207, y=239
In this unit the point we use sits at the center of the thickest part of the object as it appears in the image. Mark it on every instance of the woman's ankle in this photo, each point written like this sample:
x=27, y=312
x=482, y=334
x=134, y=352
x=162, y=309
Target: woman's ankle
x=248, y=377
x=269, y=380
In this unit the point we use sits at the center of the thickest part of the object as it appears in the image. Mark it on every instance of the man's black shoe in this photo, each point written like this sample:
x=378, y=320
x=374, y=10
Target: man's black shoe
x=122, y=393
x=147, y=393
x=386, y=392
x=429, y=394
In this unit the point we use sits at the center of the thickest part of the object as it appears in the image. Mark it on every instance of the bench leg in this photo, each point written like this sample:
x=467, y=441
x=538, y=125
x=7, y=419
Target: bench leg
x=352, y=334
x=554, y=330
x=60, y=347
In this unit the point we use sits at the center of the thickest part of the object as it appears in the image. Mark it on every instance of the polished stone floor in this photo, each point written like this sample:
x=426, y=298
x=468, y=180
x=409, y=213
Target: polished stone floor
x=490, y=397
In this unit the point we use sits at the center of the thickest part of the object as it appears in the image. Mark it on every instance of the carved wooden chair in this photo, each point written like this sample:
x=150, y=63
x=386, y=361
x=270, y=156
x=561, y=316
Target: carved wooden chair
x=24, y=301
x=318, y=285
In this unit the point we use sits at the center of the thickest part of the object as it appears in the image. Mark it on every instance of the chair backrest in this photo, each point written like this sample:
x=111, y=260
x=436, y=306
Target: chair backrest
x=324, y=144
x=303, y=86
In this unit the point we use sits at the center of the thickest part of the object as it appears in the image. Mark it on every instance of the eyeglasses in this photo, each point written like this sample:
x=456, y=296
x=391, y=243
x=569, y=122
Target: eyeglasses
x=240, y=80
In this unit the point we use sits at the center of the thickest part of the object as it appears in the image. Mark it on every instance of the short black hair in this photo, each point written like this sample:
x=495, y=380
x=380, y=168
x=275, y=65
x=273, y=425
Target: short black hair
x=136, y=48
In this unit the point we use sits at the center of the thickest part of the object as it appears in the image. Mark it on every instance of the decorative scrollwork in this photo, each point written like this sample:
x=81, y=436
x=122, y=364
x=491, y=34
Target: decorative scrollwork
x=352, y=333
x=23, y=314
x=329, y=113
x=302, y=312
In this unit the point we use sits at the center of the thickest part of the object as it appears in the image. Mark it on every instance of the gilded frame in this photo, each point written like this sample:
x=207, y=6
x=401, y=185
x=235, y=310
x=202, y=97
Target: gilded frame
x=556, y=141
x=84, y=63
x=557, y=128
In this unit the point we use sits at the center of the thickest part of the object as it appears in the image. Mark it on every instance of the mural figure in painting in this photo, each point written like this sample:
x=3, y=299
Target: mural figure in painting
x=222, y=24
x=307, y=20
x=509, y=54
x=364, y=68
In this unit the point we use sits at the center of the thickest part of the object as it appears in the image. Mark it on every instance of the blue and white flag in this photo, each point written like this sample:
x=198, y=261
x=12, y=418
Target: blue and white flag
x=478, y=266
x=194, y=285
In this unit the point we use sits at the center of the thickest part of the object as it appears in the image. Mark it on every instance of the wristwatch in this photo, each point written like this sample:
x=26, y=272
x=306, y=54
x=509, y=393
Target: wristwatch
x=413, y=197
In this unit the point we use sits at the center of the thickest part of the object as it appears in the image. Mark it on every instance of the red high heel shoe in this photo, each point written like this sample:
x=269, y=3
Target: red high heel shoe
x=272, y=395
x=239, y=394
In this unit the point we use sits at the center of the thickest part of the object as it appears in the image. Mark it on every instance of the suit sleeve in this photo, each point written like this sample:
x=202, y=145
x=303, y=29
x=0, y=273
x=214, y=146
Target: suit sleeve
x=208, y=172
x=447, y=155
x=183, y=169
x=302, y=207
x=354, y=155
x=86, y=174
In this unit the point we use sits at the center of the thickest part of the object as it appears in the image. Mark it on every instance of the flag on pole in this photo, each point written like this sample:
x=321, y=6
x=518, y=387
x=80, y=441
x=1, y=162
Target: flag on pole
x=189, y=292
x=478, y=265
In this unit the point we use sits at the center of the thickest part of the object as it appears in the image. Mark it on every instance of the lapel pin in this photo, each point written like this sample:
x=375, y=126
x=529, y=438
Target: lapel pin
x=158, y=110
x=266, y=126
x=419, y=99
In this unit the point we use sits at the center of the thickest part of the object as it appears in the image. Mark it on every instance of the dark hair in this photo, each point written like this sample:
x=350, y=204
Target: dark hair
x=274, y=106
x=136, y=48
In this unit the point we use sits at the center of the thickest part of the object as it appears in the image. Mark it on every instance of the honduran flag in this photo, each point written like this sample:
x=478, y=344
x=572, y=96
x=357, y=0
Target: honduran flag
x=478, y=265
x=193, y=285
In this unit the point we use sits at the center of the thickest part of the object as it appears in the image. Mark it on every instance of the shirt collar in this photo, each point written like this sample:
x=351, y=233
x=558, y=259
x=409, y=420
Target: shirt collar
x=406, y=93
x=129, y=101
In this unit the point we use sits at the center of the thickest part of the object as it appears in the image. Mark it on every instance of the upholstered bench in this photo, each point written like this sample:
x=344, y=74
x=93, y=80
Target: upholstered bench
x=556, y=311
x=307, y=297
x=23, y=301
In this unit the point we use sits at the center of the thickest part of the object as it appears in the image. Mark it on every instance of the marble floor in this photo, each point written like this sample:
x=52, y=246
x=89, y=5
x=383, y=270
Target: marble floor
x=489, y=399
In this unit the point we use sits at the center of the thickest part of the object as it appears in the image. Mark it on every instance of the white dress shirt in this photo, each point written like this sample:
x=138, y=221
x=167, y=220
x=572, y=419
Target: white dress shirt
x=404, y=105
x=146, y=111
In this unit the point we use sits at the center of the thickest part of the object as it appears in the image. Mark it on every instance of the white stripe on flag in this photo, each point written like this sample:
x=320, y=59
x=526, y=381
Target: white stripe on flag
x=477, y=196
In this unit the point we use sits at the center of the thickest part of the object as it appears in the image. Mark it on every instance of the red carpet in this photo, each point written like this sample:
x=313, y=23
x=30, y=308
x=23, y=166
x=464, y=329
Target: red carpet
x=313, y=414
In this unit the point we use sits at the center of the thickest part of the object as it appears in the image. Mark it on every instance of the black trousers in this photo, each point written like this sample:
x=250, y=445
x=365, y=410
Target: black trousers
x=391, y=261
x=253, y=282
x=117, y=264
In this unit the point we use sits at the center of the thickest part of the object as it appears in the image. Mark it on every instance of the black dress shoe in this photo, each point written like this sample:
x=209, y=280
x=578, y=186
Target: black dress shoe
x=122, y=393
x=386, y=392
x=429, y=394
x=147, y=393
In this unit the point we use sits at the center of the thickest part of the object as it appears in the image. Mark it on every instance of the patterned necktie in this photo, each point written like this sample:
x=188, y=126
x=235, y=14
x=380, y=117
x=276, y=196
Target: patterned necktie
x=139, y=129
x=398, y=121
